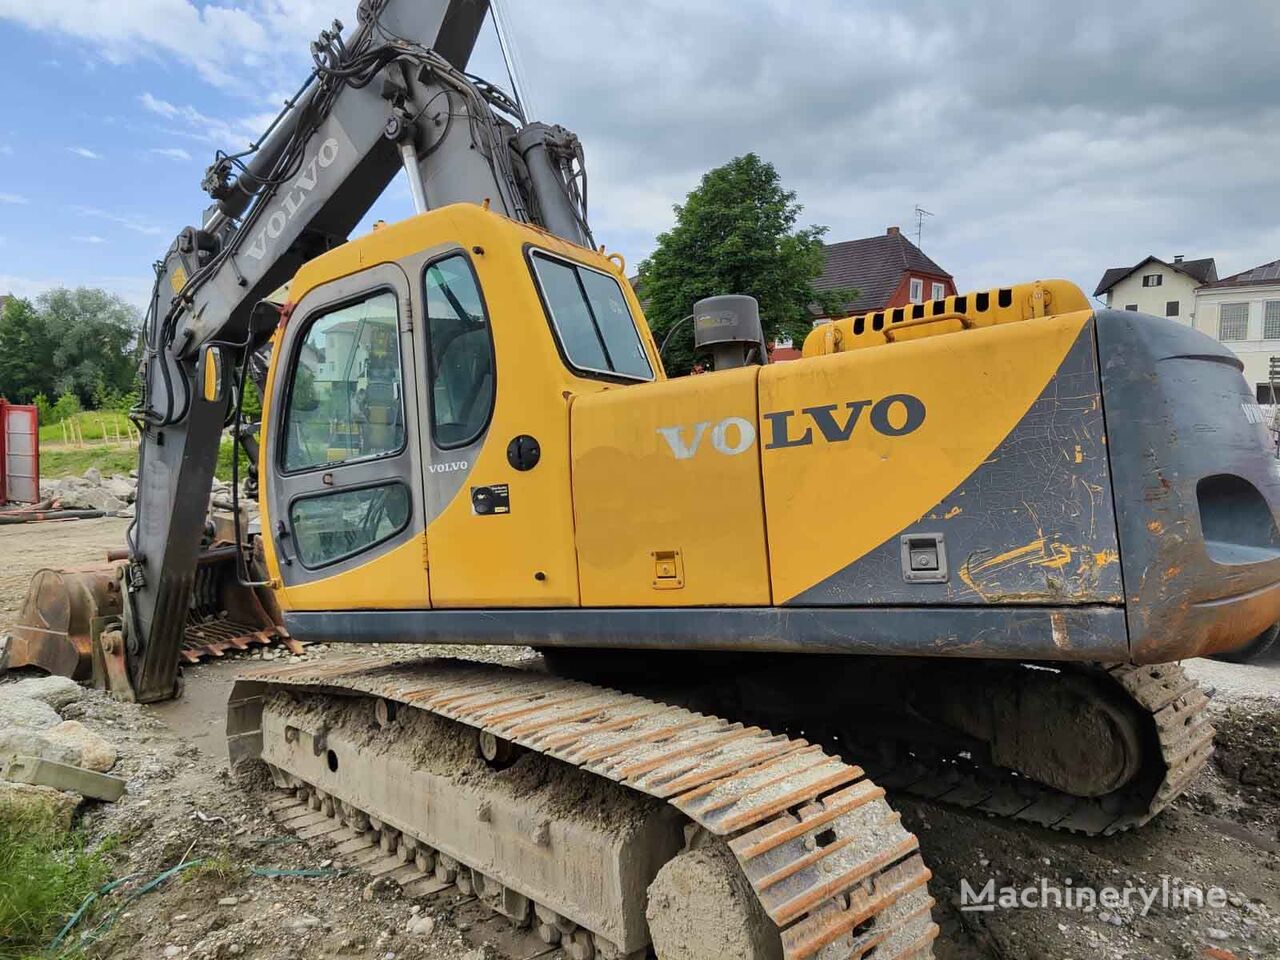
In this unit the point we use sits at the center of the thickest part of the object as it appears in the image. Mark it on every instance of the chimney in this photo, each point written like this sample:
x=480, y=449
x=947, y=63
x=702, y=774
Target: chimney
x=891, y=232
x=1177, y=257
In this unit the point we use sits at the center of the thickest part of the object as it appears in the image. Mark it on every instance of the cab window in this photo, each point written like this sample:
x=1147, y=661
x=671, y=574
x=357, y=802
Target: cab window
x=461, y=353
x=592, y=321
x=345, y=400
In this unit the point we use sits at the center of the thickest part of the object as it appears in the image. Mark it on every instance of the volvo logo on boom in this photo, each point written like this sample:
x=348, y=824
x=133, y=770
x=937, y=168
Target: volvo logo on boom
x=893, y=416
x=294, y=199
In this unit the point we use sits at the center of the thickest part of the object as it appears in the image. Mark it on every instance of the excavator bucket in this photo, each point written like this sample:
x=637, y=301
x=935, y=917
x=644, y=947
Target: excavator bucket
x=65, y=610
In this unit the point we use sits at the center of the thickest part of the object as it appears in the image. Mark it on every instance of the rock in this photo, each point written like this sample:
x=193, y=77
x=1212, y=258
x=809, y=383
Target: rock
x=57, y=692
x=1217, y=933
x=99, y=499
x=21, y=713
x=121, y=489
x=701, y=906
x=171, y=951
x=383, y=888
x=421, y=926
x=303, y=923
x=94, y=752
x=34, y=743
x=228, y=901
x=22, y=800
x=93, y=475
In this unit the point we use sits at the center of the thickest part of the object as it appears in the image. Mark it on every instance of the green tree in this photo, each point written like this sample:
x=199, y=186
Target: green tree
x=26, y=352
x=44, y=409
x=736, y=233
x=68, y=405
x=94, y=336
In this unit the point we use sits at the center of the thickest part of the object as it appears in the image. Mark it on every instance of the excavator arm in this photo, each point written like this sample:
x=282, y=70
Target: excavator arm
x=390, y=96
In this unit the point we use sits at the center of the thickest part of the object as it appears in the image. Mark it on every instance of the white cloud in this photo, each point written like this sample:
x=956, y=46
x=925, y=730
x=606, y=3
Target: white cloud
x=12, y=198
x=136, y=224
x=85, y=152
x=91, y=238
x=193, y=124
x=135, y=289
x=231, y=45
x=173, y=153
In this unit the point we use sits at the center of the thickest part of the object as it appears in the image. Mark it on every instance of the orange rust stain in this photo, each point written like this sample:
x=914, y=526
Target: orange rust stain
x=953, y=512
x=1105, y=558
x=1079, y=454
x=1172, y=572
x=1155, y=526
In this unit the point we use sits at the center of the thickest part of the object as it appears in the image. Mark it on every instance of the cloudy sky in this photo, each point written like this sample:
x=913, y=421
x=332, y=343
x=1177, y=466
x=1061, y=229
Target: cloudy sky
x=1048, y=138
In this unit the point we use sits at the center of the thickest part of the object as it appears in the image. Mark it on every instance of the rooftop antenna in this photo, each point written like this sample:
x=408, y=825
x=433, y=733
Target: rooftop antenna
x=921, y=213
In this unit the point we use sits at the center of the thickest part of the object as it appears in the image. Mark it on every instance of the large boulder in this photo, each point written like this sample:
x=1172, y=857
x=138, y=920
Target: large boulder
x=24, y=802
x=21, y=713
x=97, y=498
x=35, y=743
x=121, y=488
x=57, y=692
x=93, y=475
x=91, y=751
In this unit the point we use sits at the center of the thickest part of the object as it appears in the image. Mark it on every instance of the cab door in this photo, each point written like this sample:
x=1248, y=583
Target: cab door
x=344, y=490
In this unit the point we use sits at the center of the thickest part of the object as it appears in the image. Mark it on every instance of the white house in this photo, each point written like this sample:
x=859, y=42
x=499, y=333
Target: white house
x=1158, y=287
x=1242, y=311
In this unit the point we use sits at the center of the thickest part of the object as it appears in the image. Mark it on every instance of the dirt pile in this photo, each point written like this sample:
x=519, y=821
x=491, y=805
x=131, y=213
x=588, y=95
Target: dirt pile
x=1247, y=752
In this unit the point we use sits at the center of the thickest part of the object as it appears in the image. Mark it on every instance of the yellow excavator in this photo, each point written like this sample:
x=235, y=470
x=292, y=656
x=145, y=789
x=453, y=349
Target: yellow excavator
x=955, y=550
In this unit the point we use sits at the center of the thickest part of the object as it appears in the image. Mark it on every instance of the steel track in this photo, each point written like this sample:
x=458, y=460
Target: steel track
x=829, y=862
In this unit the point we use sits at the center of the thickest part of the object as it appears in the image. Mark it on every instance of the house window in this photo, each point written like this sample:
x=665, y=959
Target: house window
x=1131, y=306
x=1265, y=394
x=1271, y=320
x=1172, y=308
x=939, y=291
x=1152, y=279
x=1233, y=321
x=917, y=290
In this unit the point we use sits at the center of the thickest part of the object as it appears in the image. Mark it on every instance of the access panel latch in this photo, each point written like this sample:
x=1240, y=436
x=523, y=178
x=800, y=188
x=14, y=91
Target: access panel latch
x=924, y=558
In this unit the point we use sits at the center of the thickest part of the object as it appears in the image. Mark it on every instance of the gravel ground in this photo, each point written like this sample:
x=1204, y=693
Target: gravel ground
x=184, y=803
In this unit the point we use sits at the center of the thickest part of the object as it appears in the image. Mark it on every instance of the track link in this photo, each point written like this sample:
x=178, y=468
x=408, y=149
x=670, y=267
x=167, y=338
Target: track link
x=1176, y=710
x=828, y=860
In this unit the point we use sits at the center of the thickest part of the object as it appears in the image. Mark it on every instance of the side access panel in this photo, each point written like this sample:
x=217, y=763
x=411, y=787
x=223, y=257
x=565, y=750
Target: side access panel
x=668, y=505
x=963, y=469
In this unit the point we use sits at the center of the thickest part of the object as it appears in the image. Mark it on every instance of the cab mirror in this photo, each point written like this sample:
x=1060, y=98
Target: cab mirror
x=212, y=373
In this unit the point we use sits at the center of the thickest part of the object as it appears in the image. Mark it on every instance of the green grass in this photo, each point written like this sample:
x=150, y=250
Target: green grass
x=90, y=424
x=45, y=874
x=58, y=462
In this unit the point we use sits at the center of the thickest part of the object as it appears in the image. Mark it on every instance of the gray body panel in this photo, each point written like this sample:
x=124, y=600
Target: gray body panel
x=1025, y=633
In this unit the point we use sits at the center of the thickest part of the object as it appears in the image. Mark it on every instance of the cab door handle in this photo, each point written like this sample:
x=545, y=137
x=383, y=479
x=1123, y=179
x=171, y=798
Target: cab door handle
x=282, y=534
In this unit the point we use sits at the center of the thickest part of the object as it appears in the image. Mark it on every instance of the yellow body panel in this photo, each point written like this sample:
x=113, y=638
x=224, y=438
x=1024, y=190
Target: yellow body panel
x=667, y=494
x=395, y=580
x=830, y=503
